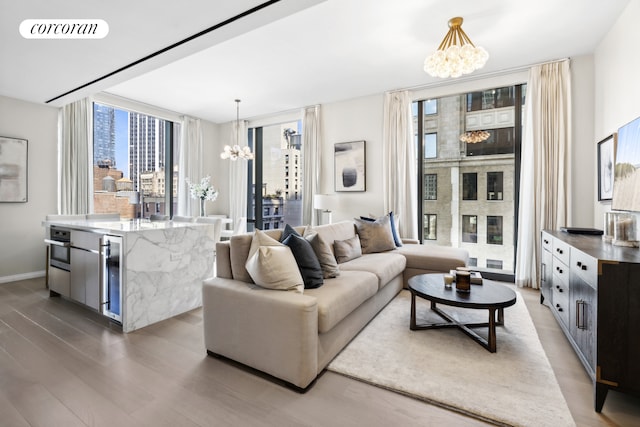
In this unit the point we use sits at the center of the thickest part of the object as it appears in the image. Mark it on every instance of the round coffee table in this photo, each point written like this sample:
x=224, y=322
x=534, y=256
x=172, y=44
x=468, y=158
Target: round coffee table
x=489, y=296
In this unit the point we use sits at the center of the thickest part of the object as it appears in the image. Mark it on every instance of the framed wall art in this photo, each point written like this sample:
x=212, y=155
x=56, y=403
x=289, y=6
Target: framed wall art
x=350, y=166
x=606, y=164
x=13, y=170
x=626, y=174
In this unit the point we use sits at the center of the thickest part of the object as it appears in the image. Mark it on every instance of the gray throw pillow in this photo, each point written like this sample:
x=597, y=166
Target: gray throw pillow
x=375, y=236
x=348, y=249
x=323, y=251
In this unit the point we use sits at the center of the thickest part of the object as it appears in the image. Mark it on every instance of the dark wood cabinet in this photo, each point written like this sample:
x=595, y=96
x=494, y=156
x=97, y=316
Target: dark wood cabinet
x=593, y=290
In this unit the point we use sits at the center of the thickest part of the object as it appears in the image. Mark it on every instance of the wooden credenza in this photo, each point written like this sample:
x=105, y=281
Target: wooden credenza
x=593, y=290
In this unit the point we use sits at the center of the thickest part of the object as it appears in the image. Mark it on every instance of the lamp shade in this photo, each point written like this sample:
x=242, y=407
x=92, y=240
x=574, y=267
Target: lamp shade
x=326, y=202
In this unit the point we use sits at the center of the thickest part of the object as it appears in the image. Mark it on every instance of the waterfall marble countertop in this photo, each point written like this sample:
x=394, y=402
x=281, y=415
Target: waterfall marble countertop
x=120, y=227
x=164, y=265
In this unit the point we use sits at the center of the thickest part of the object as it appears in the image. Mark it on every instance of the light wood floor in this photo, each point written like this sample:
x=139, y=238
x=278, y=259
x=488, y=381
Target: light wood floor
x=62, y=365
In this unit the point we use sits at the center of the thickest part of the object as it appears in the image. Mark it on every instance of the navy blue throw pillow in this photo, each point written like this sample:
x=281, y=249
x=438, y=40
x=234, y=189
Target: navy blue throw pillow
x=306, y=259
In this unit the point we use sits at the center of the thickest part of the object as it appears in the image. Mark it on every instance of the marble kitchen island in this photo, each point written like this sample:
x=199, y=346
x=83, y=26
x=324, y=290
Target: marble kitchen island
x=162, y=264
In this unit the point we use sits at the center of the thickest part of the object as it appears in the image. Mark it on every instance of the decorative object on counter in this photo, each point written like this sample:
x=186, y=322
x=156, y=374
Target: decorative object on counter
x=456, y=55
x=13, y=170
x=236, y=152
x=624, y=230
x=463, y=281
x=448, y=280
x=203, y=191
x=609, y=221
x=606, y=161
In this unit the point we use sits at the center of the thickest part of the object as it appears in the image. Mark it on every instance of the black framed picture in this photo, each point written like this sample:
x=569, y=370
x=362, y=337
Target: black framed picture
x=606, y=163
x=350, y=166
x=13, y=170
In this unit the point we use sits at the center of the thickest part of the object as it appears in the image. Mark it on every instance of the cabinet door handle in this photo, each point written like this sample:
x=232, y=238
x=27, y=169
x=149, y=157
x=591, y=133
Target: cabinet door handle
x=559, y=251
x=546, y=242
x=584, y=267
x=580, y=314
x=559, y=270
x=579, y=264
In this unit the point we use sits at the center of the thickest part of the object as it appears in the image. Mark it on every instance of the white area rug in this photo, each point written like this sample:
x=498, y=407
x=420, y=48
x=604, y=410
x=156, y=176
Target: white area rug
x=514, y=386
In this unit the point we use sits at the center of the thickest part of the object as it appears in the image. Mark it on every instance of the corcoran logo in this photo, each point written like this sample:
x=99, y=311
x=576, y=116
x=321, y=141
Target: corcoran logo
x=64, y=29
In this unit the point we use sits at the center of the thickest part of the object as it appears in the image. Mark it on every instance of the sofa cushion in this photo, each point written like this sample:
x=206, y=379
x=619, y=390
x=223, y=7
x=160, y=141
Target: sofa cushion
x=393, y=223
x=385, y=266
x=306, y=259
x=272, y=265
x=324, y=252
x=339, y=296
x=433, y=258
x=375, y=236
x=347, y=250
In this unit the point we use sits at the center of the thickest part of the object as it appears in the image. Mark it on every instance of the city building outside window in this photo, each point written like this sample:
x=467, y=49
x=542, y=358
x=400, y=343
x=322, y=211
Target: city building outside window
x=470, y=228
x=470, y=186
x=494, y=185
x=475, y=182
x=494, y=230
x=494, y=263
x=431, y=186
x=431, y=226
x=131, y=163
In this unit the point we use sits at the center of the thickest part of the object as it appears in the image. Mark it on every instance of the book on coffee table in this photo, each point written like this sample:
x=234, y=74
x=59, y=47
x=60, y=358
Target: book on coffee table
x=476, y=277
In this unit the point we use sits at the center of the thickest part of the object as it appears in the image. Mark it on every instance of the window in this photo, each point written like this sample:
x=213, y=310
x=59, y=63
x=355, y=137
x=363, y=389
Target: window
x=494, y=263
x=476, y=179
x=494, y=185
x=473, y=262
x=494, y=230
x=430, y=227
x=470, y=228
x=135, y=163
x=470, y=186
x=431, y=186
x=430, y=145
x=279, y=173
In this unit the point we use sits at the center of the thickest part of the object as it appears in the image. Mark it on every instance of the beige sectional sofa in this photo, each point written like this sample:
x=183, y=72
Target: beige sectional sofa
x=293, y=336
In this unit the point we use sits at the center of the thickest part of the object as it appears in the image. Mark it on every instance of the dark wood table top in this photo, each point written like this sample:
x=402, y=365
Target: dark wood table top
x=488, y=295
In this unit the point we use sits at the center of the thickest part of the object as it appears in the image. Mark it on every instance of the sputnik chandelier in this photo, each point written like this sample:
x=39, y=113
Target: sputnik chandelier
x=236, y=152
x=474, y=136
x=456, y=55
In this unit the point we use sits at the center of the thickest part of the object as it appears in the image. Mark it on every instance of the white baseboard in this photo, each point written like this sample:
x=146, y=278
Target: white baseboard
x=23, y=276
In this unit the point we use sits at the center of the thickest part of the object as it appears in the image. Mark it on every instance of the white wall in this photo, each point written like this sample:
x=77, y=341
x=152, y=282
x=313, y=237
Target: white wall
x=22, y=254
x=617, y=88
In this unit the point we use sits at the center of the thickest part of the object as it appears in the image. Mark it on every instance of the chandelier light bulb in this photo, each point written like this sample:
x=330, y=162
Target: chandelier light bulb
x=456, y=55
x=236, y=152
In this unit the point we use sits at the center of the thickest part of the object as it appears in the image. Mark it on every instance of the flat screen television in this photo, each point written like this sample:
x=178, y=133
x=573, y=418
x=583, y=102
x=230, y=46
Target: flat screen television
x=626, y=183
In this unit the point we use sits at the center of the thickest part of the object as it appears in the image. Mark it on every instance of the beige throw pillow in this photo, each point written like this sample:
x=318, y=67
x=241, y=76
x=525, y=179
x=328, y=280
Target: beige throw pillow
x=324, y=253
x=375, y=236
x=272, y=265
x=348, y=249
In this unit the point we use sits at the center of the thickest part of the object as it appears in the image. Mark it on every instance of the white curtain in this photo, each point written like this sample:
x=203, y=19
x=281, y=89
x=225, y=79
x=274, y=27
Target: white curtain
x=311, y=159
x=400, y=163
x=74, y=160
x=238, y=170
x=190, y=165
x=545, y=177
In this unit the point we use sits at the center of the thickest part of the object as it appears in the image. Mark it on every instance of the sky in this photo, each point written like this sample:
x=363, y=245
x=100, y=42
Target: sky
x=122, y=141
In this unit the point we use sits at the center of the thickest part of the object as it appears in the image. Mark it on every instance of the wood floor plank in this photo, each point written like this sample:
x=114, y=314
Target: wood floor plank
x=77, y=367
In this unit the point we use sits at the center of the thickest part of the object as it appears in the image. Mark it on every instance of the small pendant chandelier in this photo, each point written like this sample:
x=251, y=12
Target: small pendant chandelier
x=456, y=55
x=236, y=152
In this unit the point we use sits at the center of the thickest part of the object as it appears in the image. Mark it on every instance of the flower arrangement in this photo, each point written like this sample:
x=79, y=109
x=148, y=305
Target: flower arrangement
x=202, y=190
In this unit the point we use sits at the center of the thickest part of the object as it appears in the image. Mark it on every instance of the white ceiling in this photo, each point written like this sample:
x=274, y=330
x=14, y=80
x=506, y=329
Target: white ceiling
x=288, y=55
